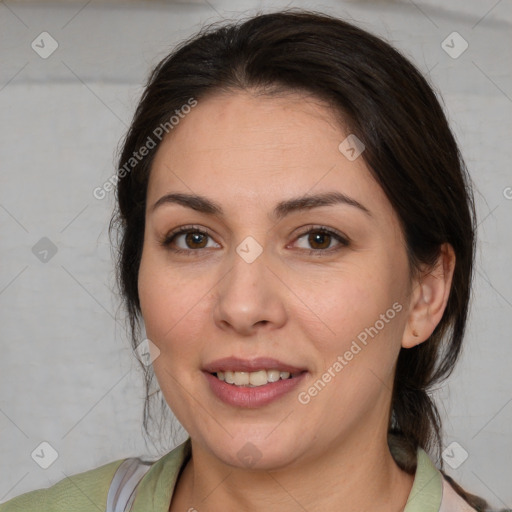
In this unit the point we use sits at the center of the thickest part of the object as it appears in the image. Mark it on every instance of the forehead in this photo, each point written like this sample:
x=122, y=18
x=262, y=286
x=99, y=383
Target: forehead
x=242, y=148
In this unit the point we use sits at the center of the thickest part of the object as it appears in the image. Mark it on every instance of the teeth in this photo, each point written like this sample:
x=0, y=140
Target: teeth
x=273, y=375
x=241, y=378
x=252, y=379
x=258, y=378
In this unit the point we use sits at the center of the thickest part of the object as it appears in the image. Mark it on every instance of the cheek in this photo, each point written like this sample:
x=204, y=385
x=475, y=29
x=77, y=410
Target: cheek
x=170, y=304
x=362, y=312
x=358, y=351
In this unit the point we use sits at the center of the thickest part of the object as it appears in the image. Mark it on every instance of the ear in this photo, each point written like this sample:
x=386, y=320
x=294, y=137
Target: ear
x=430, y=292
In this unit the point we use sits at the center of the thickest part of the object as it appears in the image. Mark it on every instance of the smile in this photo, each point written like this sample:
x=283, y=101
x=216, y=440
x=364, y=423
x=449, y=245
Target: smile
x=254, y=379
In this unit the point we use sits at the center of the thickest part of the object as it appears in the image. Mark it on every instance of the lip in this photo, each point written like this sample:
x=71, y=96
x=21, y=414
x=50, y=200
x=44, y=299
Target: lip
x=235, y=364
x=251, y=397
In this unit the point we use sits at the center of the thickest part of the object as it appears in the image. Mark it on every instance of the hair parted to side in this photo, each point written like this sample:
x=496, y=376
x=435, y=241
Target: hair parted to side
x=409, y=148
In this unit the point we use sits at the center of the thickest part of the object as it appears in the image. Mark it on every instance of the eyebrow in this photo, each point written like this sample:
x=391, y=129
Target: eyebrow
x=207, y=206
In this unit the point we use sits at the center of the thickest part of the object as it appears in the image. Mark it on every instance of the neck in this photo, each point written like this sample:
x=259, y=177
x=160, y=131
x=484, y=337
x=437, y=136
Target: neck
x=349, y=476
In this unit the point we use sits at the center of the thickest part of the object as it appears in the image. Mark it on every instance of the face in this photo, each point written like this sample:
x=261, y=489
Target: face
x=260, y=282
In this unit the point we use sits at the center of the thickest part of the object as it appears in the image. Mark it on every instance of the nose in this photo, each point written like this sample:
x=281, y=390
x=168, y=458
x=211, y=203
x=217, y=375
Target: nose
x=250, y=297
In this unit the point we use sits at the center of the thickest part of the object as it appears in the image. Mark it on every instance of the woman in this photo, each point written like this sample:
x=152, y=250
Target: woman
x=297, y=235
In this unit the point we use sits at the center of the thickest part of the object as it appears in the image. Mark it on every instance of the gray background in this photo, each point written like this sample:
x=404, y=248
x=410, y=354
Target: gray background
x=67, y=374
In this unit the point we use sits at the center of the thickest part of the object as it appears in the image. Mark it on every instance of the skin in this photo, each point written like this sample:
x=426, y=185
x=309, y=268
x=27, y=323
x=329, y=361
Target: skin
x=248, y=152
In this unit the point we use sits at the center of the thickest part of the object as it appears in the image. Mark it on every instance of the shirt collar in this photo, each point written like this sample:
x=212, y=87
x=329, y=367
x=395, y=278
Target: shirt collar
x=427, y=489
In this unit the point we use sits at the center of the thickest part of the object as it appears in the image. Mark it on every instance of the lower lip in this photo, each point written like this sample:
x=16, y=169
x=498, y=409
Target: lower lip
x=251, y=398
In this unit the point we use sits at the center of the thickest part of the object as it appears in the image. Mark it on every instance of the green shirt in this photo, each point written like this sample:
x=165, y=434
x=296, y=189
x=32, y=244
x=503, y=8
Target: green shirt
x=87, y=492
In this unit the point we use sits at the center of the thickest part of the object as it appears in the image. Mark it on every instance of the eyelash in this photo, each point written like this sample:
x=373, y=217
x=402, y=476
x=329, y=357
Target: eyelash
x=343, y=240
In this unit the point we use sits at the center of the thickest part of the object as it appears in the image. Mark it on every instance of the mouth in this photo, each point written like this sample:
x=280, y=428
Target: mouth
x=252, y=383
x=254, y=379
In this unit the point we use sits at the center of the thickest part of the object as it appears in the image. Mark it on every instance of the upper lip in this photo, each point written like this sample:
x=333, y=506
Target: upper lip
x=235, y=364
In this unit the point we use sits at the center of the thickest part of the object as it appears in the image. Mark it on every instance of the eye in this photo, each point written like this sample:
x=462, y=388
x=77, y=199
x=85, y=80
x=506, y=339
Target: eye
x=320, y=239
x=193, y=238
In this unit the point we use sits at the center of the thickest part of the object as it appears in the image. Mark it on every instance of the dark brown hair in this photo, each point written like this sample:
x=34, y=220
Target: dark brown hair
x=409, y=148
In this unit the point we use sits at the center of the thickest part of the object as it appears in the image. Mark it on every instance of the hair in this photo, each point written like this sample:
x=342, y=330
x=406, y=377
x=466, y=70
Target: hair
x=380, y=96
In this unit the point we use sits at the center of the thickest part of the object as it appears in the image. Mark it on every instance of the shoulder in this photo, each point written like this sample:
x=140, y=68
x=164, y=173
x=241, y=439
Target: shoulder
x=88, y=491
x=453, y=502
x=82, y=492
x=432, y=490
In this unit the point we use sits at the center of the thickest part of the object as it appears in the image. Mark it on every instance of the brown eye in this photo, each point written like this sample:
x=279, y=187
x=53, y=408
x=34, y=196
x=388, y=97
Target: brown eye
x=320, y=240
x=195, y=237
x=186, y=240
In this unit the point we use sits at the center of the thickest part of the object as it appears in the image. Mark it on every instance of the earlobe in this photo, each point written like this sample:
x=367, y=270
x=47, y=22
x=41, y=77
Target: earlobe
x=431, y=291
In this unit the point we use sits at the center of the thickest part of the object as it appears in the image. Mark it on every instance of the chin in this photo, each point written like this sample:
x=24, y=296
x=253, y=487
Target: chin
x=255, y=451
